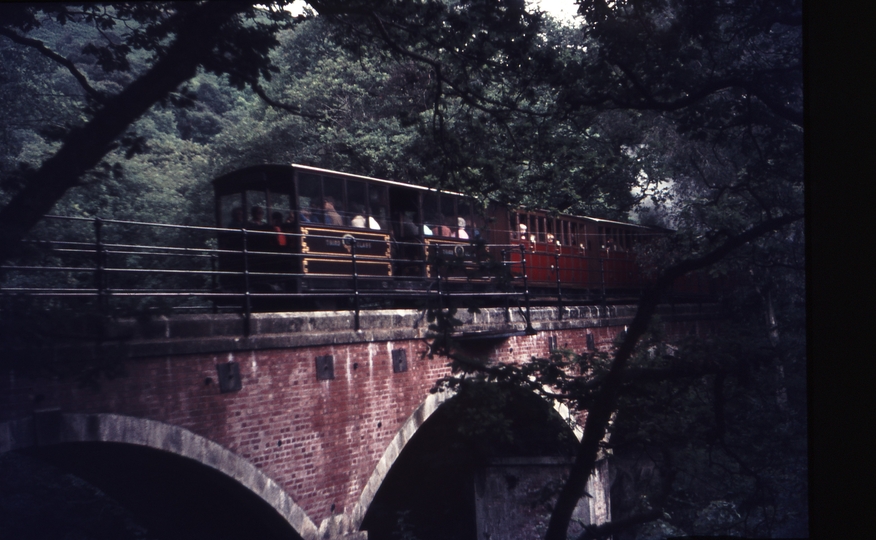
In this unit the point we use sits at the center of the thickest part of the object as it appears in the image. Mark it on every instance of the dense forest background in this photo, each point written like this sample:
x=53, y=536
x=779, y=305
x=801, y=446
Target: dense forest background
x=686, y=115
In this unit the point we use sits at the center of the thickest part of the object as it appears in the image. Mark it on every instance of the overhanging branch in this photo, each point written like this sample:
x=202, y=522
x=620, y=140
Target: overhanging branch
x=604, y=401
x=292, y=109
x=83, y=148
x=41, y=48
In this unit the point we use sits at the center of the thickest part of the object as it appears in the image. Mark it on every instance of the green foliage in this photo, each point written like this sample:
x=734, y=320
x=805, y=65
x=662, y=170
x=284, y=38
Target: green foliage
x=722, y=426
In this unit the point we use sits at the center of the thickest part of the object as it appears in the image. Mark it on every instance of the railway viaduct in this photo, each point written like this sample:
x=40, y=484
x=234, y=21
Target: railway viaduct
x=302, y=411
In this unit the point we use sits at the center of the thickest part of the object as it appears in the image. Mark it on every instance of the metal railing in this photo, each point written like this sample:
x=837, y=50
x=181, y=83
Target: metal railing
x=130, y=266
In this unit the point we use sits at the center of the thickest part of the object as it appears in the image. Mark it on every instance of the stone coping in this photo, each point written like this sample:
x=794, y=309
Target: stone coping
x=216, y=333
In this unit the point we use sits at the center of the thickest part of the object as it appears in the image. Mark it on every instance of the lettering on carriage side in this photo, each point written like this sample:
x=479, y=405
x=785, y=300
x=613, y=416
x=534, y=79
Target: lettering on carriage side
x=336, y=243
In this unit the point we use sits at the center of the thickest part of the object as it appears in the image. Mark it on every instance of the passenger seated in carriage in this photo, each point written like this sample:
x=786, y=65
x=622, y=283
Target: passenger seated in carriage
x=438, y=227
x=277, y=226
x=237, y=221
x=359, y=220
x=331, y=216
x=258, y=218
x=460, y=231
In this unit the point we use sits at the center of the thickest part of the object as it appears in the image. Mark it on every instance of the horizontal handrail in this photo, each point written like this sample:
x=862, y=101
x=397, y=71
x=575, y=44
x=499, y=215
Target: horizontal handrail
x=237, y=265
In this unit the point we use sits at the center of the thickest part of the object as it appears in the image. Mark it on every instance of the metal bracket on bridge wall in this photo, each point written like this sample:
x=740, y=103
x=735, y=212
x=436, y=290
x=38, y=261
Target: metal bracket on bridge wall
x=229, y=377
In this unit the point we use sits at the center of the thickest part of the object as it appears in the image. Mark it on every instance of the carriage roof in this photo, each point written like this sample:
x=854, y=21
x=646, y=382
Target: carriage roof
x=242, y=179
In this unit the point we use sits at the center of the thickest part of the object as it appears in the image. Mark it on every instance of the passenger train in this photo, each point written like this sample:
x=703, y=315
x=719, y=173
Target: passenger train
x=298, y=229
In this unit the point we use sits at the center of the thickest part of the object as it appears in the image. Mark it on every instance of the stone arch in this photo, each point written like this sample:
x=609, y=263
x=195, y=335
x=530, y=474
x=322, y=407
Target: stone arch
x=568, y=415
x=392, y=452
x=47, y=428
x=405, y=433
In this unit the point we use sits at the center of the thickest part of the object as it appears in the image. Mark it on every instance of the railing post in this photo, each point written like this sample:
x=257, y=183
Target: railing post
x=352, y=241
x=506, y=273
x=559, y=288
x=214, y=282
x=100, y=266
x=437, y=252
x=529, y=329
x=602, y=277
x=247, y=301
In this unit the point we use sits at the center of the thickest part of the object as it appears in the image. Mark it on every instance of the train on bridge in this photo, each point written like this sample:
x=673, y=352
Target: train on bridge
x=295, y=237
x=296, y=229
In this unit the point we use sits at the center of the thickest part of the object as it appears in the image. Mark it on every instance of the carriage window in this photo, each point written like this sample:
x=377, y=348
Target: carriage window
x=357, y=215
x=430, y=213
x=476, y=229
x=464, y=206
x=532, y=227
x=232, y=213
x=256, y=213
x=540, y=229
x=309, y=198
x=279, y=202
x=448, y=212
x=378, y=197
x=522, y=226
x=551, y=231
x=573, y=234
x=465, y=227
x=448, y=206
x=333, y=202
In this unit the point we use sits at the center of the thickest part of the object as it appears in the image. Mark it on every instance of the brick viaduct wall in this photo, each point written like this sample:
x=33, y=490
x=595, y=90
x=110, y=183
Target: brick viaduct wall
x=317, y=450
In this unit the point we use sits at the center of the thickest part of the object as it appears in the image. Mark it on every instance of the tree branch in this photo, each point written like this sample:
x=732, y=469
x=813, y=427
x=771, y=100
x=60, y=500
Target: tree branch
x=292, y=109
x=40, y=47
x=83, y=147
x=599, y=414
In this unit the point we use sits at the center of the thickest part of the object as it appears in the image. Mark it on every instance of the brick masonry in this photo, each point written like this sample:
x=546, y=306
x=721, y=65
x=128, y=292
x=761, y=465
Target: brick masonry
x=326, y=444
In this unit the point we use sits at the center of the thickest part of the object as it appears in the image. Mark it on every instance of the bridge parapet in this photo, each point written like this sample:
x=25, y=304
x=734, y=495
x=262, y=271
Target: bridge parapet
x=210, y=333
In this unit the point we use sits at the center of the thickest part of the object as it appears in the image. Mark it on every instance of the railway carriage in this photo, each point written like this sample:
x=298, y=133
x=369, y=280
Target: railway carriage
x=301, y=229
x=322, y=216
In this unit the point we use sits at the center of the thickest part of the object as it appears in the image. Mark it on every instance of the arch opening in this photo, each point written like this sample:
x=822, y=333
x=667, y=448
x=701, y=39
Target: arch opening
x=156, y=467
x=166, y=496
x=429, y=492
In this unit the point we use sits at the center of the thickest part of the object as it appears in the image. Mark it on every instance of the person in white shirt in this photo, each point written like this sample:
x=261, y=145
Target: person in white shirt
x=460, y=232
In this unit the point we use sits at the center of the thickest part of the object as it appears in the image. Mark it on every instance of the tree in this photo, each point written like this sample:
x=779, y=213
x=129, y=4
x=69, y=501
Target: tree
x=715, y=90
x=224, y=38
